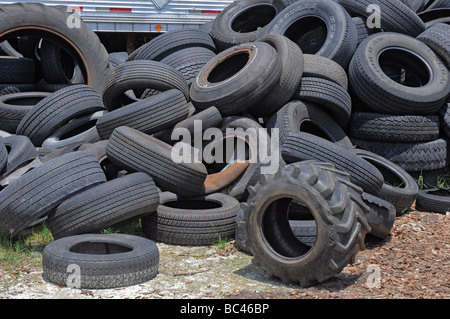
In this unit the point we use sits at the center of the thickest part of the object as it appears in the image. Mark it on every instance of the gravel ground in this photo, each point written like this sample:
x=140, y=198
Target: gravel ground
x=414, y=262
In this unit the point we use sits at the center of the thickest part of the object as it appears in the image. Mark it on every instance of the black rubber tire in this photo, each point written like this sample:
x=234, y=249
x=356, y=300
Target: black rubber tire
x=433, y=16
x=411, y=156
x=135, y=151
x=149, y=115
x=399, y=188
x=381, y=217
x=98, y=149
x=444, y=115
x=437, y=4
x=436, y=200
x=395, y=15
x=300, y=146
x=41, y=190
x=415, y=5
x=58, y=109
x=244, y=21
x=20, y=152
x=334, y=37
x=189, y=61
x=329, y=95
x=252, y=132
x=237, y=78
x=57, y=65
x=169, y=42
x=362, y=29
x=382, y=94
x=116, y=58
x=341, y=228
x=292, y=64
x=104, y=260
x=3, y=157
x=141, y=75
x=114, y=202
x=16, y=88
x=317, y=66
x=394, y=128
x=297, y=116
x=83, y=44
x=81, y=129
x=304, y=230
x=437, y=37
x=14, y=107
x=194, y=221
x=209, y=118
x=16, y=70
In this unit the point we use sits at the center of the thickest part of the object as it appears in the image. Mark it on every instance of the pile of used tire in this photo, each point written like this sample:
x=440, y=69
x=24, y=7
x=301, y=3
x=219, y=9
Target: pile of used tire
x=352, y=110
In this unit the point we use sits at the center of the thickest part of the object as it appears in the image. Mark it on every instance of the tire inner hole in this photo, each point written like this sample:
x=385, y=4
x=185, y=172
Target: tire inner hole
x=310, y=34
x=195, y=204
x=253, y=18
x=229, y=67
x=289, y=227
x=98, y=248
x=405, y=67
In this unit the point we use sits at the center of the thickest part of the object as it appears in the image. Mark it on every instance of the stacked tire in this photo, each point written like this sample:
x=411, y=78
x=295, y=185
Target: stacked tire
x=347, y=114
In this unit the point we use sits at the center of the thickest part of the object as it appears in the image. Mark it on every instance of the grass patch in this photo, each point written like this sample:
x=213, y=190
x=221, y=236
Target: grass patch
x=25, y=253
x=17, y=255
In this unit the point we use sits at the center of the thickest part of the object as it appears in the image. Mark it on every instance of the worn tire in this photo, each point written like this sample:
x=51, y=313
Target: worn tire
x=57, y=66
x=423, y=95
x=297, y=116
x=189, y=61
x=172, y=41
x=193, y=221
x=135, y=151
x=394, y=128
x=149, y=115
x=337, y=208
x=16, y=70
x=437, y=37
x=300, y=146
x=436, y=200
x=3, y=157
x=58, y=109
x=41, y=190
x=237, y=78
x=292, y=63
x=14, y=107
x=244, y=21
x=20, y=152
x=117, y=201
x=396, y=16
x=331, y=34
x=317, y=66
x=332, y=97
x=399, y=188
x=81, y=129
x=413, y=157
x=141, y=75
x=104, y=260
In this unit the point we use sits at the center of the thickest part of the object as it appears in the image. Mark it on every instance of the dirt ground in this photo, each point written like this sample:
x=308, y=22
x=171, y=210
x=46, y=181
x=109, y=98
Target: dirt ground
x=413, y=263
